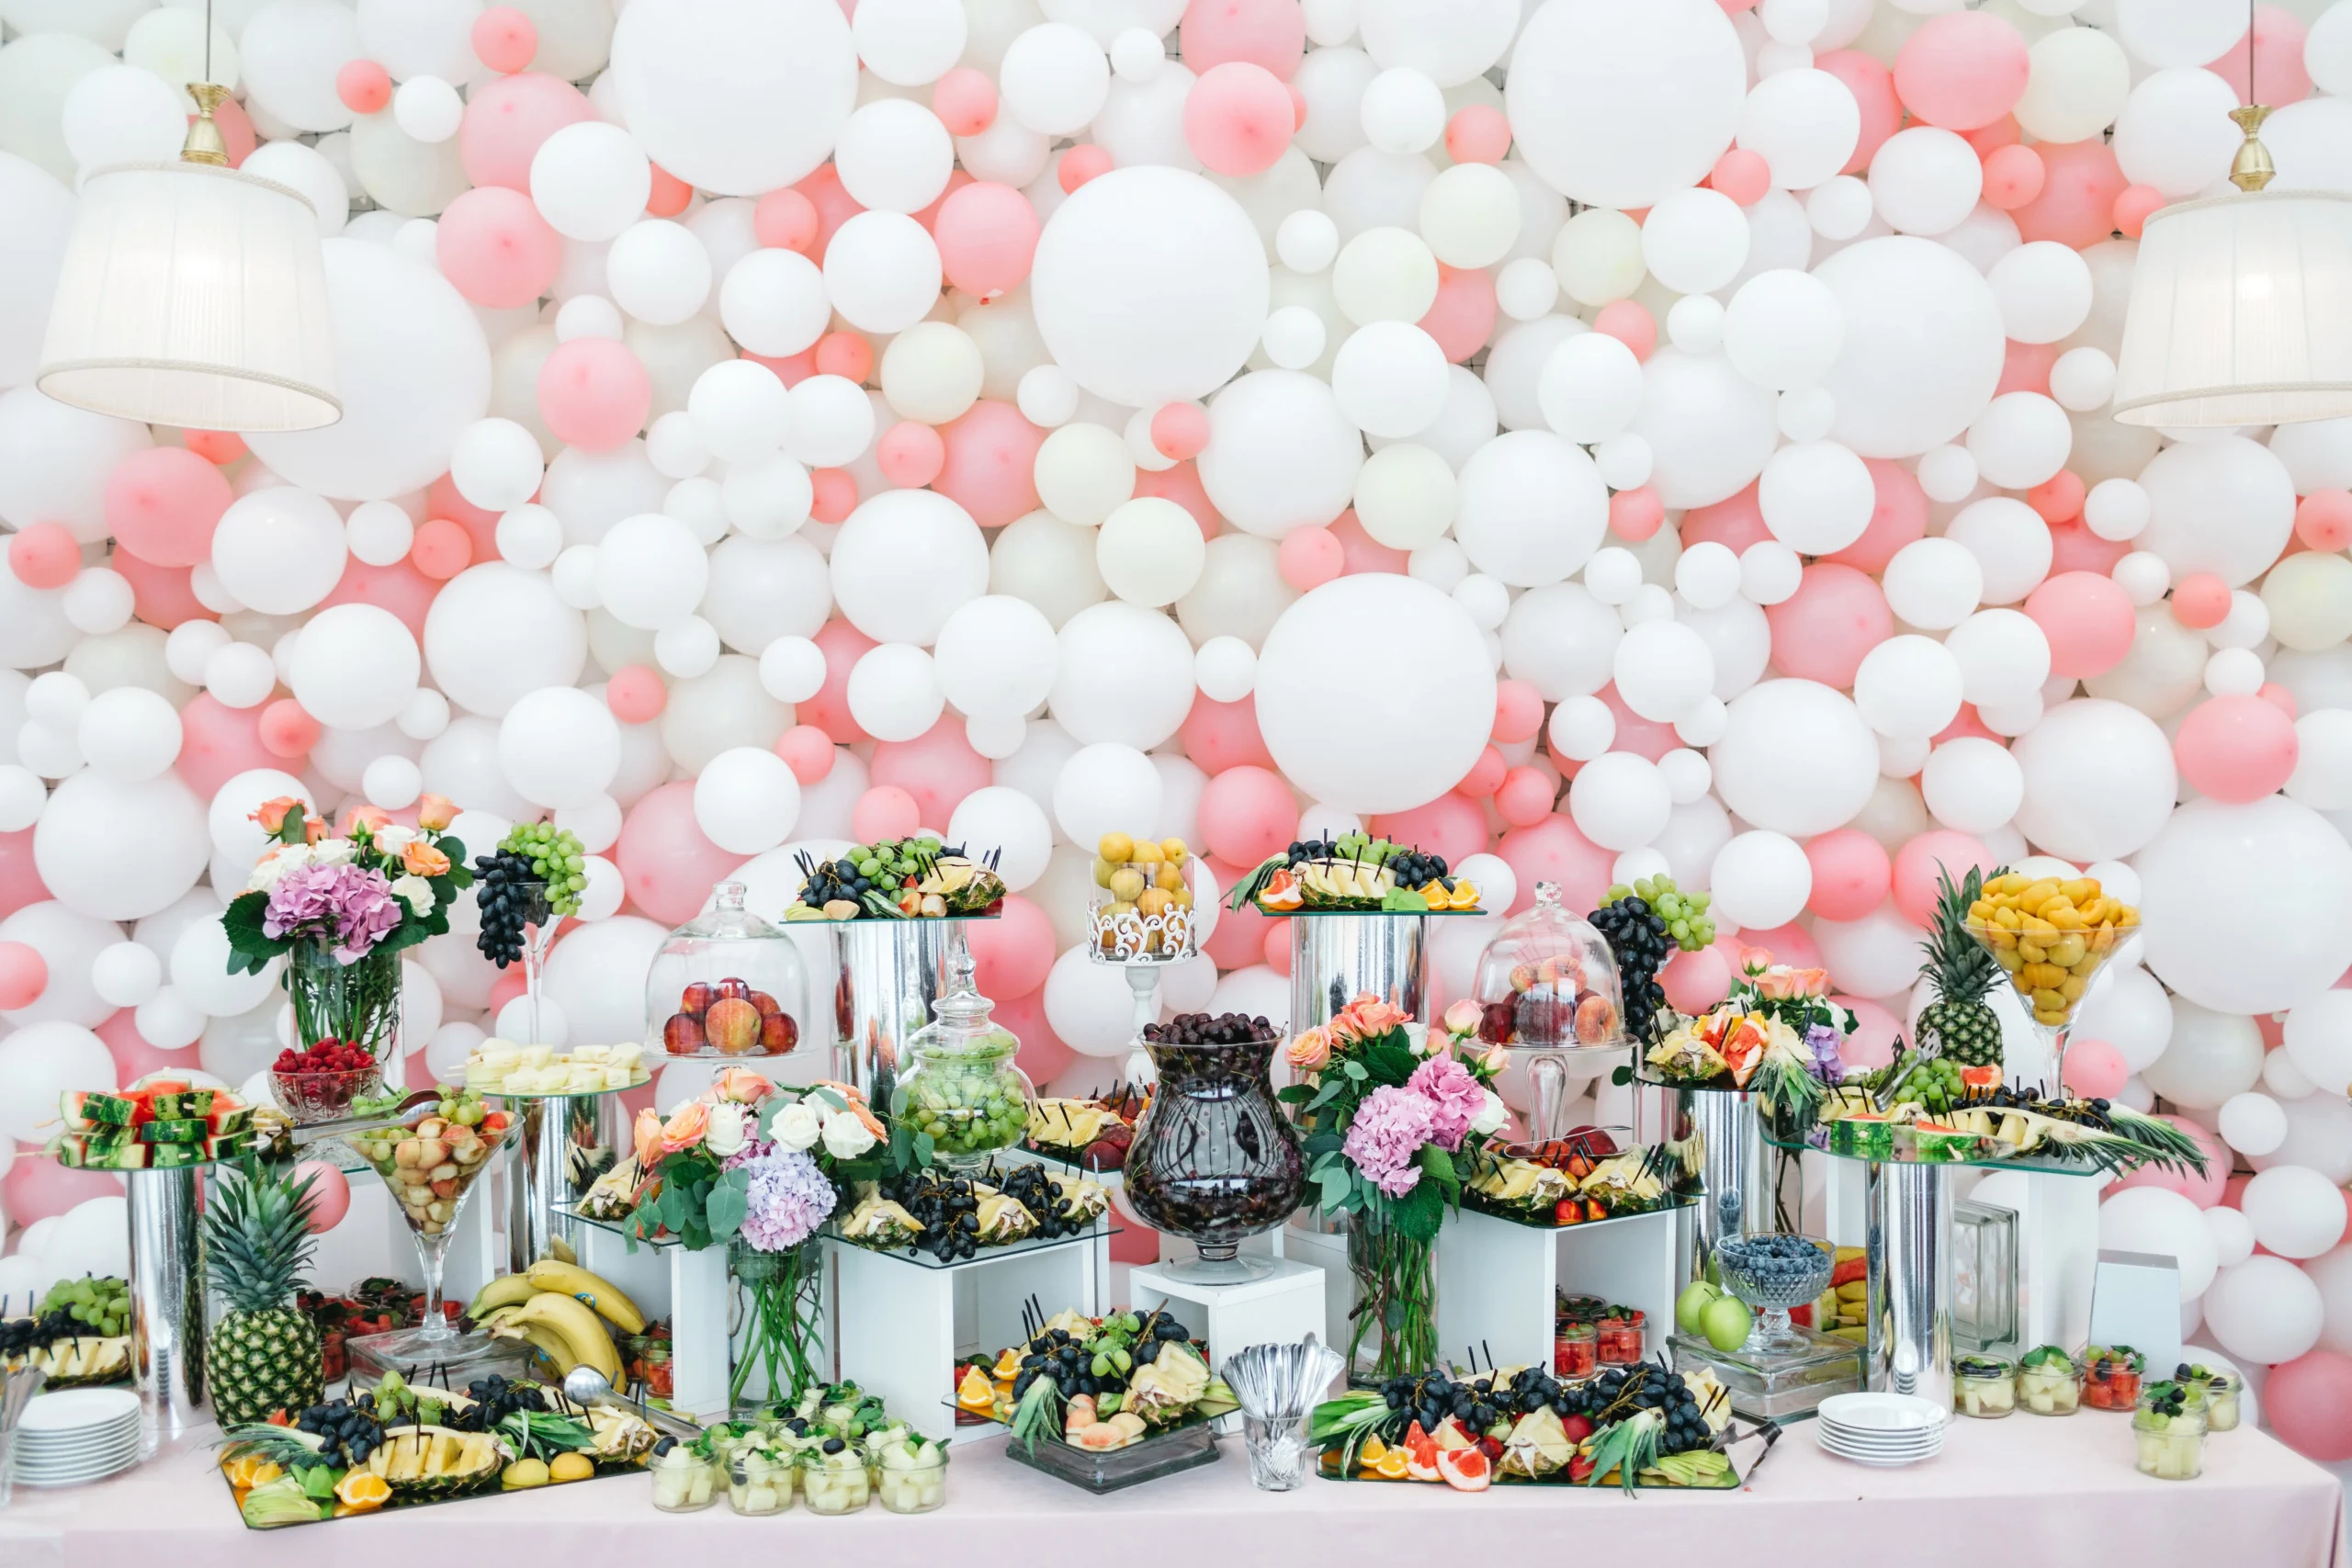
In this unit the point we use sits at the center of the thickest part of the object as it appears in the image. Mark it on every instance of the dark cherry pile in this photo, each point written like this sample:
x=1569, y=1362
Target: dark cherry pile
x=1201, y=1029
x=1640, y=944
x=1213, y=1159
x=506, y=908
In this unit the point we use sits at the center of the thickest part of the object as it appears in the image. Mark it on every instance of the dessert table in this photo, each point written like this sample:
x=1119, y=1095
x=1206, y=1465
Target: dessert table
x=2020, y=1492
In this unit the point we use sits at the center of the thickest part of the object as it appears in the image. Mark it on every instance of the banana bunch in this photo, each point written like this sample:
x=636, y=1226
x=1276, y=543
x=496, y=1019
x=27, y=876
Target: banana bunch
x=561, y=1309
x=1695, y=1467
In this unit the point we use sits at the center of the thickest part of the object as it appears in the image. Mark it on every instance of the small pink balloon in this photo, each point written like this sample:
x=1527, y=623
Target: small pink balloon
x=330, y=1193
x=2073, y=547
x=1635, y=515
x=2025, y=367
x=2324, y=520
x=1917, y=862
x=2309, y=1403
x=1239, y=938
x=2278, y=697
x=887, y=812
x=217, y=743
x=1271, y=34
x=666, y=865
x=1041, y=1055
x=1486, y=775
x=1274, y=947
x=1961, y=70
x=1080, y=164
x=2134, y=207
x=1238, y=119
x=1742, y=176
x=938, y=767
x=2013, y=176
x=808, y=751
x=399, y=587
x=2279, y=74
x=134, y=1057
x=505, y=39
x=495, y=249
x=1478, y=133
x=1553, y=851
x=2235, y=749
x=2077, y=205
x=20, y=882
x=784, y=221
x=1013, y=954
x=2215, y=1188
x=1181, y=482
x=364, y=87
x=1644, y=737
x=2095, y=1069
x=506, y=119
x=965, y=101
x=286, y=731
x=842, y=644
x=1823, y=631
x=1630, y=323
x=2199, y=600
x=593, y=393
x=37, y=1188
x=441, y=548
x=990, y=466
x=1180, y=430
x=219, y=447
x=2087, y=618
x=1463, y=318
x=1519, y=711
x=910, y=455
x=1449, y=826
x=1735, y=523
x=1872, y=85
x=23, y=976
x=987, y=235
x=162, y=502
x=1898, y=516
x=1790, y=944
x=1876, y=1033
x=1358, y=551
x=636, y=693
x=44, y=555
x=1309, y=557
x=1246, y=814
x=1851, y=875
x=846, y=355
x=2059, y=498
x=1696, y=982
x=1218, y=736
x=160, y=595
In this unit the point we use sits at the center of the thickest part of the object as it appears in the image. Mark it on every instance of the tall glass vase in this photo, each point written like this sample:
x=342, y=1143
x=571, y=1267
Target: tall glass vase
x=778, y=1328
x=358, y=1003
x=1396, y=1310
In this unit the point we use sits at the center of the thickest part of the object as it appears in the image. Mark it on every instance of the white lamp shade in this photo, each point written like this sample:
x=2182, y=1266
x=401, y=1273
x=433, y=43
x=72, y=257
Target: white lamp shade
x=2241, y=313
x=193, y=296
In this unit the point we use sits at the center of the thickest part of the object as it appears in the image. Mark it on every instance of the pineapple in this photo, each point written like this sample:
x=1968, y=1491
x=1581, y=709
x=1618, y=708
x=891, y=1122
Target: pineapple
x=1962, y=974
x=264, y=1351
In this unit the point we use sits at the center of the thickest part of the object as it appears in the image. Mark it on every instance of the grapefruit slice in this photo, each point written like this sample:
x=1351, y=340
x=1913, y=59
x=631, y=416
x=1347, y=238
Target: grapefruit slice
x=1421, y=1454
x=1466, y=1470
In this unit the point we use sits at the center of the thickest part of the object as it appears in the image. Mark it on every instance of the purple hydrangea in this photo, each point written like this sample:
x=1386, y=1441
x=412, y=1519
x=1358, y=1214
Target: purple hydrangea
x=1455, y=1098
x=1828, y=1065
x=345, y=905
x=788, y=1199
x=1386, y=1138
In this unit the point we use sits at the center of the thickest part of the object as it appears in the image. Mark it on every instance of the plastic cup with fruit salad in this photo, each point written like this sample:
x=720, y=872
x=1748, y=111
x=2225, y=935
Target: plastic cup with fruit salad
x=1621, y=1331
x=2049, y=1382
x=2111, y=1376
x=2168, y=1428
x=2219, y=1389
x=685, y=1480
x=909, y=1474
x=834, y=1476
x=1575, y=1351
x=1984, y=1386
x=759, y=1481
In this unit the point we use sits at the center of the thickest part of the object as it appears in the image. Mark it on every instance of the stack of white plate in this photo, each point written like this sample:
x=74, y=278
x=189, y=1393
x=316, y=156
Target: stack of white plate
x=76, y=1435
x=1882, y=1428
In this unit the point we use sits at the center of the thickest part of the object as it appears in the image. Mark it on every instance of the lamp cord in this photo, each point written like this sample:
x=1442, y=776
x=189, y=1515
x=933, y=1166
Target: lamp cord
x=207, y=40
x=2249, y=48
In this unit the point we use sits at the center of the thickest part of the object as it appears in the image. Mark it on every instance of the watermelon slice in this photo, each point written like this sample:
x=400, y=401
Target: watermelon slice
x=1421, y=1454
x=1466, y=1470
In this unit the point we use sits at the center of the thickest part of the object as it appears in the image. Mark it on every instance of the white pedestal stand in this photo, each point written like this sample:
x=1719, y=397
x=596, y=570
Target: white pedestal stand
x=1283, y=1308
x=1498, y=1282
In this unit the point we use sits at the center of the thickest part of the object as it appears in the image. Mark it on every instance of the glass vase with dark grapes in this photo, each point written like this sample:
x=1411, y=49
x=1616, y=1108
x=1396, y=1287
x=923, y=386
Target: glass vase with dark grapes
x=1214, y=1160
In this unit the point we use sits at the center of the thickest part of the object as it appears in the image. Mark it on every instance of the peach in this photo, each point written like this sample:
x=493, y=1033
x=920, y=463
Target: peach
x=732, y=1025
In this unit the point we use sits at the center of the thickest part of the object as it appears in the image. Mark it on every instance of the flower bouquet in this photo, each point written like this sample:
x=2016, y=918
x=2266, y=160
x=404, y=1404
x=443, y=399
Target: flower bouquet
x=1776, y=1035
x=1380, y=1110
x=340, y=908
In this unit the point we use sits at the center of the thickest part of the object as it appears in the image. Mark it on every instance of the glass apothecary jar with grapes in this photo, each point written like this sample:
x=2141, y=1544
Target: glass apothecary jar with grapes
x=964, y=1090
x=725, y=984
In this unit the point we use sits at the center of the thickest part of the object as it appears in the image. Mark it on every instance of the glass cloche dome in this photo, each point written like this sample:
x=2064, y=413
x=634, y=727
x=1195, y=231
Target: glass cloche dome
x=725, y=984
x=1547, y=993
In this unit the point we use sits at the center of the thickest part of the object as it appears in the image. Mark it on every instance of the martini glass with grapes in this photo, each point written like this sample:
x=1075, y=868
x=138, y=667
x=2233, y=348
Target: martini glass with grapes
x=525, y=890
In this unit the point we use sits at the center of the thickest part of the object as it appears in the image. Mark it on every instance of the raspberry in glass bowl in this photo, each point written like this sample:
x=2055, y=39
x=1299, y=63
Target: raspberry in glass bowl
x=319, y=1082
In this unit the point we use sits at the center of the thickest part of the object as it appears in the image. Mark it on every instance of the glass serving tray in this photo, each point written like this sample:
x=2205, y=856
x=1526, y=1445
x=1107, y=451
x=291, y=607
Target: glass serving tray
x=1510, y=1216
x=1905, y=1152
x=1559, y=1478
x=1180, y=1447
x=1645, y=1080
x=639, y=1082
x=1100, y=1229
x=1366, y=914
x=487, y=1489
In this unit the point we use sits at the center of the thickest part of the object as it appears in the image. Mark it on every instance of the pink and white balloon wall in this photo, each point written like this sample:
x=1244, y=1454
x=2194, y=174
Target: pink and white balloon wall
x=1586, y=438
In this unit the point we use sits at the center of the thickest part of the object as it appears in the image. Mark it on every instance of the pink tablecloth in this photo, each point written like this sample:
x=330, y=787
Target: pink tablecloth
x=2017, y=1492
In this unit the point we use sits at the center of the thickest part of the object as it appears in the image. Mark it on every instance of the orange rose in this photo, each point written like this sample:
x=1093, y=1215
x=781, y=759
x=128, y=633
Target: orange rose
x=1366, y=1018
x=1775, y=984
x=314, y=829
x=1755, y=960
x=1812, y=982
x=685, y=1127
x=272, y=814
x=375, y=817
x=435, y=812
x=1310, y=1050
x=741, y=1086
x=423, y=860
x=648, y=1136
x=854, y=1101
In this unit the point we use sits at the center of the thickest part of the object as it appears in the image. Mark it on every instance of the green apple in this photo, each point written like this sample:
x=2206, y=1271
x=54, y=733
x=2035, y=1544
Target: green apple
x=1724, y=1322
x=1696, y=1297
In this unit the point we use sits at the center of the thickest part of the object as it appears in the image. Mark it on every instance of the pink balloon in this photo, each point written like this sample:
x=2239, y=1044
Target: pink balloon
x=1553, y=851
x=1850, y=874
x=987, y=235
x=1735, y=524
x=887, y=812
x=636, y=693
x=2059, y=498
x=1309, y=557
x=1080, y=164
x=1274, y=947
x=1478, y=133
x=364, y=87
x=2309, y=1400
x=911, y=453
x=287, y=730
x=938, y=768
x=1236, y=941
x=1640, y=735
x=1899, y=517
x=505, y=39
x=441, y=550
x=507, y=119
x=1696, y=982
x=1635, y=515
x=2087, y=617
x=2077, y=205
x=330, y=1190
x=1246, y=814
x=1519, y=711
x=1525, y=796
x=1876, y=1035
x=1013, y=954
x=2280, y=76
x=1872, y=85
x=666, y=865
x=1630, y=323
x=495, y=249
x=593, y=393
x=1486, y=775
x=20, y=882
x=1041, y=1055
x=44, y=555
x=2199, y=600
x=1218, y=736
x=1463, y=318
x=991, y=461
x=2215, y=1186
x=1916, y=865
x=1961, y=70
x=1823, y=631
x=401, y=588
x=1238, y=119
x=965, y=101
x=2013, y=176
x=1742, y=176
x=808, y=751
x=2324, y=520
x=160, y=595
x=217, y=743
x=2134, y=206
x=1790, y=944
x=784, y=219
x=2235, y=749
x=442, y=500
x=163, y=503
x=1270, y=34
x=1180, y=430
x=38, y=1188
x=1449, y=826
x=2095, y=1070
x=1182, y=484
x=23, y=976
x=841, y=645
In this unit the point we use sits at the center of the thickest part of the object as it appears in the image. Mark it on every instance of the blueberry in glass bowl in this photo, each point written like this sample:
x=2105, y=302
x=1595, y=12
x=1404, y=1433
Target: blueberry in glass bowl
x=1772, y=1274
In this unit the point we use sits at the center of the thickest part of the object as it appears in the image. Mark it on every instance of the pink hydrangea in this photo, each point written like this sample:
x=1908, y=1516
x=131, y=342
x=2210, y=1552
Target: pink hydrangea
x=1386, y=1138
x=1455, y=1098
x=350, y=909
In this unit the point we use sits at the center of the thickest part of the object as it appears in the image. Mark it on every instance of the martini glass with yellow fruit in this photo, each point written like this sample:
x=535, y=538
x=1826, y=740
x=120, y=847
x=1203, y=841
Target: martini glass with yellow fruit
x=2051, y=936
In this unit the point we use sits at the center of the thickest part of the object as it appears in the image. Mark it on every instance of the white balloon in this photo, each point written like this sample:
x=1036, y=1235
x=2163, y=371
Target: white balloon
x=882, y=271
x=893, y=155
x=746, y=800
x=2206, y=847
x=128, y=733
x=127, y=974
x=2319, y=1040
x=2264, y=1310
x=1390, y=378
x=120, y=114
x=279, y=550
x=911, y=42
x=1101, y=786
x=1124, y=674
x=2076, y=82
x=1909, y=303
x=39, y=1064
x=2155, y=1219
x=1908, y=688
x=496, y=632
x=904, y=561
x=1796, y=758
x=1925, y=180
x=1530, y=508
x=2020, y=440
x=69, y=942
x=1010, y=822
x=1620, y=105
x=1876, y=955
x=289, y=53
x=355, y=666
x=893, y=691
x=1151, y=551
x=768, y=119
x=2175, y=133
x=659, y=271
x=1089, y=1005
x=1760, y=880
x=2004, y=656
x=1817, y=497
x=1973, y=785
x=1783, y=328
x=2224, y=505
x=1282, y=455
x=1709, y=430
x=1620, y=801
x=2253, y=1123
x=558, y=747
x=1662, y=669
x=2044, y=292
x=120, y=849
x=1591, y=388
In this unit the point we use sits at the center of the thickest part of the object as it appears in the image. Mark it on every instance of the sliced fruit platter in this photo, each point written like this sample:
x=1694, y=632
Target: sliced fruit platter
x=1102, y=1383
x=1094, y=1134
x=159, y=1123
x=1631, y=1427
x=953, y=1216
x=1579, y=1180
x=78, y=1335
x=1353, y=873
x=898, y=879
x=503, y=1067
x=1990, y=1120
x=399, y=1444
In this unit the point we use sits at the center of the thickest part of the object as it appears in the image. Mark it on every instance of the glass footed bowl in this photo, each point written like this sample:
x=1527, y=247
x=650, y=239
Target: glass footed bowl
x=1771, y=1294
x=323, y=1097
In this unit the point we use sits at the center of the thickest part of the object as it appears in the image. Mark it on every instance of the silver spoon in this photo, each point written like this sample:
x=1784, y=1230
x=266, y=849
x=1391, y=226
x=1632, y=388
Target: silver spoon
x=586, y=1386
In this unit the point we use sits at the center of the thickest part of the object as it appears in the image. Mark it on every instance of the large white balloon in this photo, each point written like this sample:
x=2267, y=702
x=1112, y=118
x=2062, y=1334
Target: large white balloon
x=1796, y=757
x=1006, y=820
x=120, y=849
x=2264, y=1310
x=746, y=800
x=2203, y=858
x=735, y=96
x=39, y=1064
x=2098, y=779
x=1620, y=105
x=355, y=666
x=496, y=632
x=1709, y=430
x=2155, y=1219
x=1332, y=657
x=1123, y=673
x=1282, y=453
x=2224, y=505
x=905, y=561
x=997, y=655
x=1101, y=786
x=1923, y=344
x=559, y=747
x=1531, y=508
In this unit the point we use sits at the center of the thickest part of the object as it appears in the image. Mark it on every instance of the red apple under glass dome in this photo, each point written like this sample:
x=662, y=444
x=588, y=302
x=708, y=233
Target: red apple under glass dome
x=727, y=985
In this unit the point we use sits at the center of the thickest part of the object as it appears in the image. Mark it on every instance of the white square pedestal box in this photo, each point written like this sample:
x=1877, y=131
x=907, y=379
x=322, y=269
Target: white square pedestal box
x=1498, y=1282
x=692, y=1289
x=904, y=1318
x=1281, y=1309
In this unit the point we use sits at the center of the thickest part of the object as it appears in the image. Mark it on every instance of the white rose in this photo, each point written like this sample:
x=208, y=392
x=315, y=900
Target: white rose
x=416, y=892
x=332, y=851
x=726, y=1134
x=846, y=1137
x=391, y=838
x=276, y=864
x=1491, y=1116
x=796, y=1126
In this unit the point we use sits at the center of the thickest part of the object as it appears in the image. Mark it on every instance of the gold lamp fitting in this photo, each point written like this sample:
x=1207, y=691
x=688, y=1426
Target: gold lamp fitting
x=204, y=145
x=2252, y=168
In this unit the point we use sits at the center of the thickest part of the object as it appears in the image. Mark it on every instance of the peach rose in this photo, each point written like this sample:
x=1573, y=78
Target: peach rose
x=1309, y=1049
x=1780, y=982
x=375, y=817
x=648, y=1136
x=1755, y=960
x=435, y=812
x=314, y=829
x=741, y=1086
x=1463, y=1017
x=272, y=813
x=855, y=1103
x=423, y=860
x=1366, y=1018
x=685, y=1127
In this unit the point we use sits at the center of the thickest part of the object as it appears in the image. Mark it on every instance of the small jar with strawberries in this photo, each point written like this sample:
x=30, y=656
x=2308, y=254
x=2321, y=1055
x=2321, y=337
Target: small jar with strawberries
x=319, y=1082
x=725, y=984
